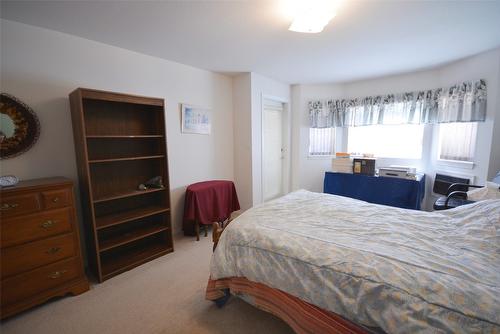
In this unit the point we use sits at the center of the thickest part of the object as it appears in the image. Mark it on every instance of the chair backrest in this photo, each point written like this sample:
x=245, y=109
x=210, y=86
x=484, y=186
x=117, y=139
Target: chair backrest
x=443, y=182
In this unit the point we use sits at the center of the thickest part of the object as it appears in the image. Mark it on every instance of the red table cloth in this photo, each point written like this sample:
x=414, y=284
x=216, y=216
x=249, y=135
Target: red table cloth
x=210, y=201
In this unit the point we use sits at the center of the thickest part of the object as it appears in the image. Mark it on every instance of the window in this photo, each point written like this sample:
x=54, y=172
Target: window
x=387, y=141
x=457, y=141
x=321, y=141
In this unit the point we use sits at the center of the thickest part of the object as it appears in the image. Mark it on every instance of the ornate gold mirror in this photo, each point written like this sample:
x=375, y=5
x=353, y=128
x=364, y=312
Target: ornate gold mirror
x=19, y=127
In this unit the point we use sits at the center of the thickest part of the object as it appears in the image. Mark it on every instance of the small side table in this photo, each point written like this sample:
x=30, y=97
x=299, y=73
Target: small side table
x=208, y=202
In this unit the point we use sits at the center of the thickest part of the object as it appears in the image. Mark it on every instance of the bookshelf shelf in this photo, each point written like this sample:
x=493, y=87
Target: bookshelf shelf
x=123, y=136
x=125, y=238
x=129, y=215
x=119, y=195
x=127, y=159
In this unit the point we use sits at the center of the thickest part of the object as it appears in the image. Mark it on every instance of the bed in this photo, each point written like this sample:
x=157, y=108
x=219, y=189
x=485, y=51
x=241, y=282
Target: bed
x=326, y=263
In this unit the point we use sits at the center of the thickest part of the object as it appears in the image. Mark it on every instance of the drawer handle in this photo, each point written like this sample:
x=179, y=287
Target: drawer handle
x=47, y=224
x=7, y=206
x=57, y=274
x=53, y=250
x=55, y=199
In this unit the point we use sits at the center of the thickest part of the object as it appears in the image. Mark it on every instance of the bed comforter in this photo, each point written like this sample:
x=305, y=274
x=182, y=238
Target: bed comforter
x=401, y=270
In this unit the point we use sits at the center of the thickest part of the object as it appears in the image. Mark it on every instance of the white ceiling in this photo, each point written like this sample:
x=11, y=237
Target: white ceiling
x=366, y=39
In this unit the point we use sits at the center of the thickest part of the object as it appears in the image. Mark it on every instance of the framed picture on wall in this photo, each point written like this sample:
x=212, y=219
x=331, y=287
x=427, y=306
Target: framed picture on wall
x=196, y=119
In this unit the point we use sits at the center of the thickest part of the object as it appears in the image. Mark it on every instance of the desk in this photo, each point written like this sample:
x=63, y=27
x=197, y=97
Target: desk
x=390, y=191
x=208, y=202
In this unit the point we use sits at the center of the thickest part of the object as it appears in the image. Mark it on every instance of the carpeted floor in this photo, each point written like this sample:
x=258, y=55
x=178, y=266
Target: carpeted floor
x=163, y=296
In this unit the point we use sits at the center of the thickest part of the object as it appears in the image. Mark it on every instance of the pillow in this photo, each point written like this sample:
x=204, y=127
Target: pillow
x=490, y=191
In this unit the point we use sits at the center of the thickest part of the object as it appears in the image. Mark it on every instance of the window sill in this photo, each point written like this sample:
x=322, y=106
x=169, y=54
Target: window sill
x=399, y=158
x=320, y=157
x=456, y=163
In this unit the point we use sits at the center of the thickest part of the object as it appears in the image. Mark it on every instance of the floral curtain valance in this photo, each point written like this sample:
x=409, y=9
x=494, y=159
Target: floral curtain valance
x=464, y=102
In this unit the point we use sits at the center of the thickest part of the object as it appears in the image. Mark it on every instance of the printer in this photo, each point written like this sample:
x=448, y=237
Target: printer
x=403, y=172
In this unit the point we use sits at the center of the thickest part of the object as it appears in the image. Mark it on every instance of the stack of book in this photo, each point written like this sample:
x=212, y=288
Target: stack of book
x=342, y=163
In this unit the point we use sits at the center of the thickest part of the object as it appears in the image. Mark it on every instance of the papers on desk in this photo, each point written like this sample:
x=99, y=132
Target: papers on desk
x=342, y=163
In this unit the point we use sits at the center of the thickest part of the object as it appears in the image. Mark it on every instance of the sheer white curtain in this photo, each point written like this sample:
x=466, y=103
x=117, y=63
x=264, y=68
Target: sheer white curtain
x=321, y=141
x=387, y=141
x=457, y=141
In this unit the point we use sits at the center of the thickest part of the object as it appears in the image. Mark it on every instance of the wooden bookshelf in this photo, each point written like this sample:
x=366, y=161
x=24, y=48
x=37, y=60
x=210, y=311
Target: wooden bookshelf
x=120, y=143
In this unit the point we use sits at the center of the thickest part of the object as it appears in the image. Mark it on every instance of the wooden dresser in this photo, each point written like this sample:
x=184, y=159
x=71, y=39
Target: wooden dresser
x=40, y=245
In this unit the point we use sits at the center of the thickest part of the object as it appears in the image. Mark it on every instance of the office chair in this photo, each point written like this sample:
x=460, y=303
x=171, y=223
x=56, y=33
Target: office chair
x=455, y=191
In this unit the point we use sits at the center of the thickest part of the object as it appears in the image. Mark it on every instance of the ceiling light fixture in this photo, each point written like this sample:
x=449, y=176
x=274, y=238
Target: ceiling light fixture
x=311, y=16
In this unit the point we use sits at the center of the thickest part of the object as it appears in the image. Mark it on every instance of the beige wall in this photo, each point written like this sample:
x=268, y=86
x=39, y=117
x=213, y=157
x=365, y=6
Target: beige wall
x=41, y=67
x=243, y=139
x=264, y=87
x=248, y=92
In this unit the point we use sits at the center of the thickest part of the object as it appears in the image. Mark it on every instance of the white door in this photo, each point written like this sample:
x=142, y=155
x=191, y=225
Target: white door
x=272, y=149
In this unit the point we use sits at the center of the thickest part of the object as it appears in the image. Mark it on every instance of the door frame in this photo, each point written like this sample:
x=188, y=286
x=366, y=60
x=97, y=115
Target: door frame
x=286, y=140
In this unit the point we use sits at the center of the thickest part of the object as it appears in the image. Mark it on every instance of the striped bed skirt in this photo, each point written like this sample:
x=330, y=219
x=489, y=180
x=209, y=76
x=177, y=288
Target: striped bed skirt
x=301, y=316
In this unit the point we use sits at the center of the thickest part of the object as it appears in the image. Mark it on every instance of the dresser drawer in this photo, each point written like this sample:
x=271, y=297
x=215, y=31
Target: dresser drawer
x=18, y=259
x=17, y=288
x=19, y=204
x=19, y=230
x=56, y=198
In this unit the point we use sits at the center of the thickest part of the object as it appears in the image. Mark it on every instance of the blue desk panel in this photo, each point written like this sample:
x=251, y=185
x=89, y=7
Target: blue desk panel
x=391, y=191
